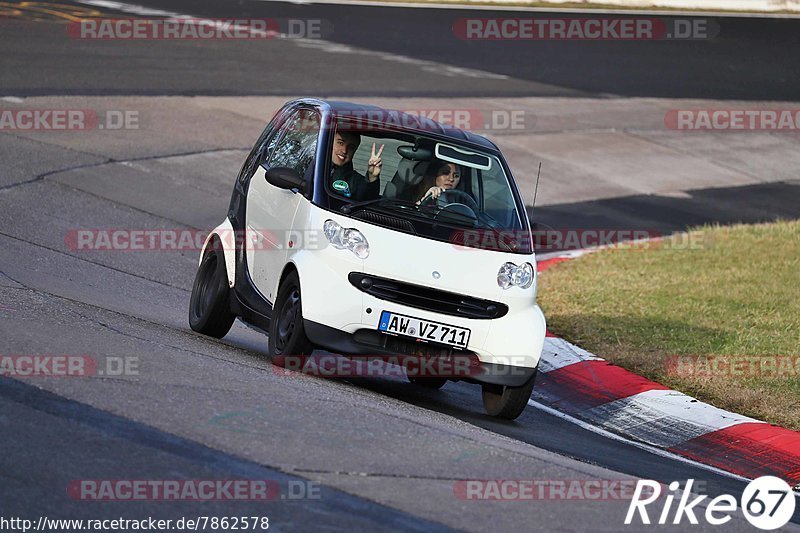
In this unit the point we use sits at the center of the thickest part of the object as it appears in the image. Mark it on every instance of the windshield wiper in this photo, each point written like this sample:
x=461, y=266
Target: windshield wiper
x=348, y=208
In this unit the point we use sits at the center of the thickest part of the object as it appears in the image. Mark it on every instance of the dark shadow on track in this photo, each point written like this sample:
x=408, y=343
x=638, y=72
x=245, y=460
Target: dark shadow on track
x=662, y=215
x=94, y=444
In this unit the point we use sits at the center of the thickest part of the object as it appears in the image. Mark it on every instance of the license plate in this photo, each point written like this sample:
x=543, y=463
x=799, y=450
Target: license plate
x=425, y=330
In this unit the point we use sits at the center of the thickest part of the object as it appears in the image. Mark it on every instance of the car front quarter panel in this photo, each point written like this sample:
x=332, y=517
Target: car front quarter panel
x=225, y=235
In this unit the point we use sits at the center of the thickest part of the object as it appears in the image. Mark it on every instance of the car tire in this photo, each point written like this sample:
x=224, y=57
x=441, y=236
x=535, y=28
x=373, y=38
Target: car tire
x=209, y=306
x=287, y=335
x=428, y=383
x=507, y=402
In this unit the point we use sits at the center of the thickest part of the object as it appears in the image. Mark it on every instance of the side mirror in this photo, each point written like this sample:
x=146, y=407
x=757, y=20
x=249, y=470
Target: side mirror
x=285, y=178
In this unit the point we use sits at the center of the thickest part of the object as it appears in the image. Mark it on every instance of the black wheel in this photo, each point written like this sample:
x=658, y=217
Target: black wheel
x=287, y=335
x=507, y=402
x=428, y=383
x=209, y=307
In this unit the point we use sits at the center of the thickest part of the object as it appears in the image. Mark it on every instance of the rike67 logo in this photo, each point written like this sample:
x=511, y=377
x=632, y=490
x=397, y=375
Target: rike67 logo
x=767, y=503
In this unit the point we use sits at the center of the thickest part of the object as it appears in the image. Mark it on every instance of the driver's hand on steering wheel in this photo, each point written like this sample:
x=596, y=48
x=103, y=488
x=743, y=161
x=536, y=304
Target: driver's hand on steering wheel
x=433, y=192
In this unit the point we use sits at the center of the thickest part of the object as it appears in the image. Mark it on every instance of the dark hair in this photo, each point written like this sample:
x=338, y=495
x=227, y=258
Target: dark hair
x=429, y=179
x=434, y=168
x=356, y=137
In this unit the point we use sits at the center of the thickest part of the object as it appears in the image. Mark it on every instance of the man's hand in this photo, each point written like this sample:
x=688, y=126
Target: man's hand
x=375, y=163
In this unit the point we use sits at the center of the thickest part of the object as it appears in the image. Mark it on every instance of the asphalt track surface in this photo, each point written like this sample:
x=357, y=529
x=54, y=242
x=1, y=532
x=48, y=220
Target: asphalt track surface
x=385, y=452
x=750, y=59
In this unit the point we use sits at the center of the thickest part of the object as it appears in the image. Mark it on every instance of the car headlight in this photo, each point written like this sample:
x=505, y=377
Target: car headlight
x=346, y=238
x=511, y=275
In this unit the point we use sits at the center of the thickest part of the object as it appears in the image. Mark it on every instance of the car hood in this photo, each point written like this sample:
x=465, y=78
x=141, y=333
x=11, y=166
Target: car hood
x=441, y=265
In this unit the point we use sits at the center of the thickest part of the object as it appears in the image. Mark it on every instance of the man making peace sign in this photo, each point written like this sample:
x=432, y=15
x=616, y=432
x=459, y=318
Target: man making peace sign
x=344, y=179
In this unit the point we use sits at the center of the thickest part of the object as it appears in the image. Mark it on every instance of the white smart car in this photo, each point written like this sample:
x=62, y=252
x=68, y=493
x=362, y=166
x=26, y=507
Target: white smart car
x=373, y=233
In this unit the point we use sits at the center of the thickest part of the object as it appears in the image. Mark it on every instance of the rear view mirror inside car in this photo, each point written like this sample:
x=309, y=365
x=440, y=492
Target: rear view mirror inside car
x=415, y=153
x=451, y=154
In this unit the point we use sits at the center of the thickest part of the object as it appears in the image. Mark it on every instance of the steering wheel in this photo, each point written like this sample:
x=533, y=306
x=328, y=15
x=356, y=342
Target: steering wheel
x=459, y=202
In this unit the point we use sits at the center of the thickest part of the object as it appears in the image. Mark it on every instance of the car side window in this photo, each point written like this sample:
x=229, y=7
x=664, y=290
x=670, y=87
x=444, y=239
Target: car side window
x=250, y=163
x=298, y=144
x=261, y=151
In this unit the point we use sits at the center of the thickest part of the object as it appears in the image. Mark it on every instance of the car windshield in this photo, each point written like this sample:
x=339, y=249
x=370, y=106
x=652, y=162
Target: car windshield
x=427, y=186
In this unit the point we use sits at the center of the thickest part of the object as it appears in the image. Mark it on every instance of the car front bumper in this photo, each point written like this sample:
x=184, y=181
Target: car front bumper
x=463, y=365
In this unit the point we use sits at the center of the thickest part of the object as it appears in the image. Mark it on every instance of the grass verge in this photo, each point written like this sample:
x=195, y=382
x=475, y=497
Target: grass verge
x=714, y=314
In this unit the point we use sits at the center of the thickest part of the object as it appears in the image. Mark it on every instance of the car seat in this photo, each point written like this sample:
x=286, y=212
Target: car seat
x=406, y=179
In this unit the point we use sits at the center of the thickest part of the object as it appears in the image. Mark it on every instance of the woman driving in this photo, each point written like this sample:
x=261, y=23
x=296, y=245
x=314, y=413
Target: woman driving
x=440, y=177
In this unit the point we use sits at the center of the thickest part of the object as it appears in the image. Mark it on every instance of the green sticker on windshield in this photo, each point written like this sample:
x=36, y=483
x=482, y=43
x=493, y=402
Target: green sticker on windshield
x=342, y=186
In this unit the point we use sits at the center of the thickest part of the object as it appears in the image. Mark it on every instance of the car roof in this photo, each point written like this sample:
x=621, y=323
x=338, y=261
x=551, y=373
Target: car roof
x=405, y=121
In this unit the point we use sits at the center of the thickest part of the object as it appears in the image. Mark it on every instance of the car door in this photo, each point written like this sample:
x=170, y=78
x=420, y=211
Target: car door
x=270, y=209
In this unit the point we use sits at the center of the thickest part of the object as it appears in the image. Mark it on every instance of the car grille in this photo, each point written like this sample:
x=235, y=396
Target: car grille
x=421, y=297
x=385, y=221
